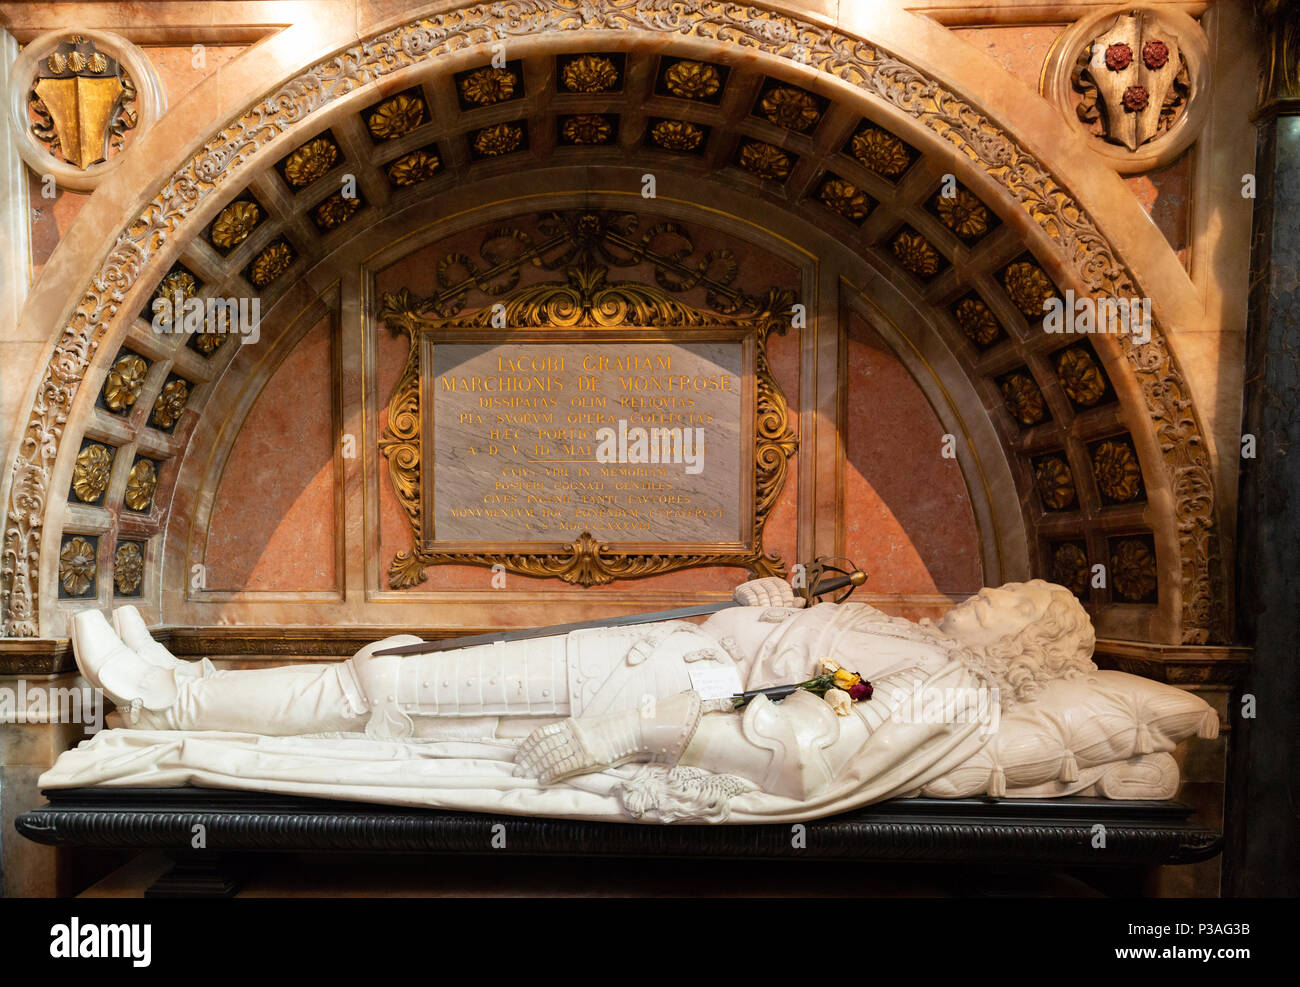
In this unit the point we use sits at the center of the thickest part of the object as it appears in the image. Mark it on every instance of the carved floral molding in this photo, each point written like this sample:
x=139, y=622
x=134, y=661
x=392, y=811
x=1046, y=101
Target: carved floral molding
x=879, y=74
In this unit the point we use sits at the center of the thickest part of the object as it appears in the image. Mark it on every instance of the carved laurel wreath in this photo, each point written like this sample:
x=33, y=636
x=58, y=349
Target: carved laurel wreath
x=587, y=298
x=871, y=69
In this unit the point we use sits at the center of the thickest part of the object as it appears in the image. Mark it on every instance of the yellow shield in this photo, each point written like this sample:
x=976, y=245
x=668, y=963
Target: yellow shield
x=81, y=109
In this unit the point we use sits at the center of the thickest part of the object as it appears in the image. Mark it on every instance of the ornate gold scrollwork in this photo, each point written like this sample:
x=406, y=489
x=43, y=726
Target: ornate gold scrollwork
x=586, y=297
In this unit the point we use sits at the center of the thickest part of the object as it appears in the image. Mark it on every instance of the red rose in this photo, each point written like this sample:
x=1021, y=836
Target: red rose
x=1119, y=56
x=861, y=691
x=1155, y=54
x=1136, y=98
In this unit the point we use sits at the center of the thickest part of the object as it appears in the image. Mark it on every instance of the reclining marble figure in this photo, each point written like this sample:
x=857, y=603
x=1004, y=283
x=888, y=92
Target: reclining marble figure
x=1001, y=695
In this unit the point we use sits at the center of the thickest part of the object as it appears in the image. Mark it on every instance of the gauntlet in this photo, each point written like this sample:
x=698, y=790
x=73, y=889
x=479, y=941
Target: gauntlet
x=578, y=745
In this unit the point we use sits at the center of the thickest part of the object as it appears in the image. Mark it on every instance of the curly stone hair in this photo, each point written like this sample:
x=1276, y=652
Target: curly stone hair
x=1058, y=645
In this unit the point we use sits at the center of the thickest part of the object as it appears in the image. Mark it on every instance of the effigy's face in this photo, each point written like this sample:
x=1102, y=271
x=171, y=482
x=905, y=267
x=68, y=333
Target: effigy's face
x=993, y=613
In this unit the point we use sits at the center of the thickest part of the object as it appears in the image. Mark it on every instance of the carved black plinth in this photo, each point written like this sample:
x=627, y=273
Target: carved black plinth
x=1050, y=832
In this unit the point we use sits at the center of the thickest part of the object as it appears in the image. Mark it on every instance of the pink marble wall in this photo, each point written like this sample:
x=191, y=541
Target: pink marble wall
x=273, y=522
x=907, y=519
x=1166, y=195
x=1020, y=48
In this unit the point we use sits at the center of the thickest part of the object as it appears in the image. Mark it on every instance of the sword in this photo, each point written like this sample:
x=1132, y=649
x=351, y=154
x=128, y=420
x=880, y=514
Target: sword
x=846, y=580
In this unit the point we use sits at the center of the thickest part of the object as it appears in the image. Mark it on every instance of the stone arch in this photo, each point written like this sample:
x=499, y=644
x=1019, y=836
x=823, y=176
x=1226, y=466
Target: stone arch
x=1045, y=214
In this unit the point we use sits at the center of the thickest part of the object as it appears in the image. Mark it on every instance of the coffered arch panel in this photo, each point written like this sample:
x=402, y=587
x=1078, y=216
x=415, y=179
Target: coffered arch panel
x=860, y=150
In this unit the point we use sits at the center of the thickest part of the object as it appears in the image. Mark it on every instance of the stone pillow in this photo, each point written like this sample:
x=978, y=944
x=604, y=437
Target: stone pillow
x=1077, y=724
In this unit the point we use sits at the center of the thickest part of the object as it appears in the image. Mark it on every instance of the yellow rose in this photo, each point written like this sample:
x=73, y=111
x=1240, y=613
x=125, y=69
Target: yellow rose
x=839, y=701
x=845, y=679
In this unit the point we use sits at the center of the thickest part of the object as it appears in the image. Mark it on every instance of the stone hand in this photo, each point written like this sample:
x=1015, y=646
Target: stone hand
x=552, y=753
x=771, y=591
x=657, y=734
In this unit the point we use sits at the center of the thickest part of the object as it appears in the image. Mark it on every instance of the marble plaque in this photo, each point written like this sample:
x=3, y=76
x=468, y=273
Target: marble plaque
x=637, y=441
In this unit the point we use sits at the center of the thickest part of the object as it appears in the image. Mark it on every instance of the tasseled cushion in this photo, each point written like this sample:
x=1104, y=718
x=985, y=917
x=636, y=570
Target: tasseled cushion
x=1069, y=768
x=1142, y=743
x=998, y=782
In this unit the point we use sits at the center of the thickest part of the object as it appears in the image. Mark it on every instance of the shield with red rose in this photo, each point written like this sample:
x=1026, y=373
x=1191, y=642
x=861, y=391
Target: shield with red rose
x=1134, y=65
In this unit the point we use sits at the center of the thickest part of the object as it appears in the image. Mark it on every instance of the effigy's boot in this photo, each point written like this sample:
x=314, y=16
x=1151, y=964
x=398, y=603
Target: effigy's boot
x=132, y=683
x=134, y=632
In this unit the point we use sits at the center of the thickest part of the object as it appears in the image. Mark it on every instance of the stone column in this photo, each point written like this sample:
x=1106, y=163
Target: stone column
x=16, y=355
x=1262, y=854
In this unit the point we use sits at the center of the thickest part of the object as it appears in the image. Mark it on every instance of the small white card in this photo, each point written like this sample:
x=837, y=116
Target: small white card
x=717, y=682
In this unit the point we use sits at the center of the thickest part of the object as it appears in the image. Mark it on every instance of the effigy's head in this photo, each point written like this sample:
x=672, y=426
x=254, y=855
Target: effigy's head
x=1025, y=634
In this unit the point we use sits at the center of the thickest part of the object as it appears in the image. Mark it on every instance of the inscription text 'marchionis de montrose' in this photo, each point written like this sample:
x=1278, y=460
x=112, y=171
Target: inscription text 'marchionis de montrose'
x=543, y=441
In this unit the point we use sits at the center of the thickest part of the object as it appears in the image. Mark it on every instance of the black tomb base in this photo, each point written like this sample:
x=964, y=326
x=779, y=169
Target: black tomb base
x=237, y=827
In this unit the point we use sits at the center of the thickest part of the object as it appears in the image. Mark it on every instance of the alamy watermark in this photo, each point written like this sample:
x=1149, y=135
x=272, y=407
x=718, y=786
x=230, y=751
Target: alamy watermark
x=44, y=703
x=1102, y=316
x=922, y=704
x=651, y=445
x=223, y=316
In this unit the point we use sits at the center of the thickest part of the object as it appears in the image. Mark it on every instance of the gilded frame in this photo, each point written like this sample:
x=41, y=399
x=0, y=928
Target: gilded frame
x=583, y=305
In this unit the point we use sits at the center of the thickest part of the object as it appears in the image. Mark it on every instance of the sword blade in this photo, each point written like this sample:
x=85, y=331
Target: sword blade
x=630, y=620
x=528, y=633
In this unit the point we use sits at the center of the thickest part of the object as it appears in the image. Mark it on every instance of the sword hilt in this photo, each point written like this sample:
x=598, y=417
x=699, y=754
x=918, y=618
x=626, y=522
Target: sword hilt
x=820, y=584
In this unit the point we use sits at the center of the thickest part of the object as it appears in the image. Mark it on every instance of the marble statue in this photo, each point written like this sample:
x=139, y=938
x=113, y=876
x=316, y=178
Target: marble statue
x=1008, y=668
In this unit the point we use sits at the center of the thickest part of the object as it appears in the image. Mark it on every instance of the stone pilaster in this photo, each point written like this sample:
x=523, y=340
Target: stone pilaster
x=1262, y=855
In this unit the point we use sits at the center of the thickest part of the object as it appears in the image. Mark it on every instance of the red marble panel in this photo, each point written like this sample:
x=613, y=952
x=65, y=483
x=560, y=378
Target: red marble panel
x=1166, y=195
x=273, y=521
x=908, y=519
